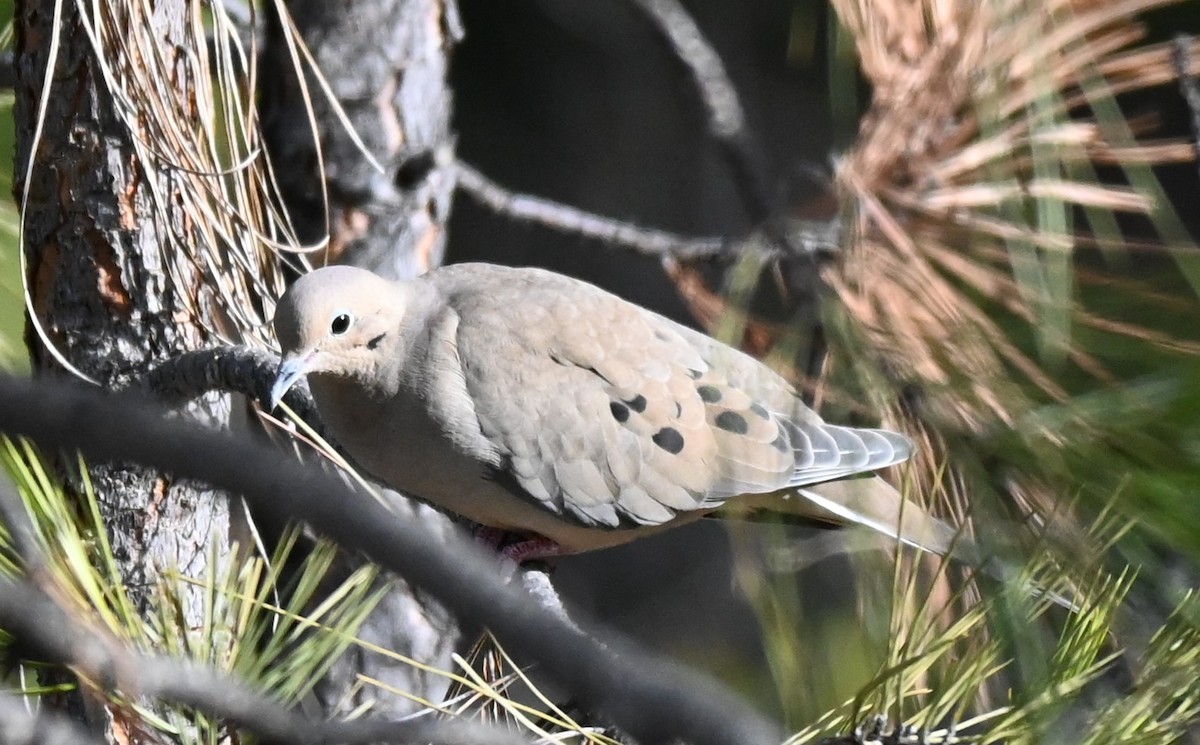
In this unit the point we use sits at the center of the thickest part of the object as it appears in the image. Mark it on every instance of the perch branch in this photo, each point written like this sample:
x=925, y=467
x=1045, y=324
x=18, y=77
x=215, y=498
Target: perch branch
x=44, y=628
x=251, y=371
x=650, y=697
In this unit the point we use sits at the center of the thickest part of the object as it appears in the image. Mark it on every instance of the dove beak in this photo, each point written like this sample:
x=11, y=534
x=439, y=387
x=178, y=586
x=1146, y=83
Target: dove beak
x=290, y=371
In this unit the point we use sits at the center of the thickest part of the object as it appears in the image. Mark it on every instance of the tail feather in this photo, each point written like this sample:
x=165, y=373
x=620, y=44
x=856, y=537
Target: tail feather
x=876, y=504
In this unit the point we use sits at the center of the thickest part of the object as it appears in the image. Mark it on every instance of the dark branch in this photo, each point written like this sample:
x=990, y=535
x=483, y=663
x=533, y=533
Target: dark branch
x=250, y=372
x=804, y=237
x=246, y=370
x=726, y=117
x=44, y=628
x=20, y=529
x=567, y=219
x=650, y=697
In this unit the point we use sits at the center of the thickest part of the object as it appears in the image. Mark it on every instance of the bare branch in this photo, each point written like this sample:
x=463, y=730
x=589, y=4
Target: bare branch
x=568, y=219
x=40, y=626
x=654, y=699
x=8, y=71
x=804, y=237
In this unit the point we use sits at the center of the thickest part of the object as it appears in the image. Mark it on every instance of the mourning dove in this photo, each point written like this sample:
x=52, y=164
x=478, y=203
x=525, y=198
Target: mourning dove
x=528, y=401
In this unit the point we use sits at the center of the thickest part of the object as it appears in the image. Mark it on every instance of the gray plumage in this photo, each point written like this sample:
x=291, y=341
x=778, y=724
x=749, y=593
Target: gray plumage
x=529, y=401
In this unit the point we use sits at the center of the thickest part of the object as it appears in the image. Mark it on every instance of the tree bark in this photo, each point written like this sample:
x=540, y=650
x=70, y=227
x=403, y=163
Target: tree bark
x=385, y=62
x=98, y=223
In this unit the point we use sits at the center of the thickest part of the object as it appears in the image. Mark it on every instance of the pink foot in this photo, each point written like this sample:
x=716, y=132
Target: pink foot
x=537, y=548
x=519, y=548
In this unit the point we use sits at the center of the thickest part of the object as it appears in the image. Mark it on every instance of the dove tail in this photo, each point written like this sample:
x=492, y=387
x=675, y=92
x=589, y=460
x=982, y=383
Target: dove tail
x=876, y=504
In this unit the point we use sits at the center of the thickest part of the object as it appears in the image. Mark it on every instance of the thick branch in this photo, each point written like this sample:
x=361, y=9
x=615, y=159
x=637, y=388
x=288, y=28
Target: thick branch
x=42, y=627
x=650, y=697
x=246, y=370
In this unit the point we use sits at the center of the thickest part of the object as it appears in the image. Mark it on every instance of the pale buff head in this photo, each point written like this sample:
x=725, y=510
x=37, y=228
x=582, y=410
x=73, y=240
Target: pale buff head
x=335, y=321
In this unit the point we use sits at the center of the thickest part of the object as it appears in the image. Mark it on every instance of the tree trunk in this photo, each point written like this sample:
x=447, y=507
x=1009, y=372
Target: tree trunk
x=96, y=250
x=385, y=62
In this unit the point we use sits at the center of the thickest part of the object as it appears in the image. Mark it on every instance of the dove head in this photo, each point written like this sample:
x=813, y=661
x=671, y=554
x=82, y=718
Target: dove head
x=336, y=321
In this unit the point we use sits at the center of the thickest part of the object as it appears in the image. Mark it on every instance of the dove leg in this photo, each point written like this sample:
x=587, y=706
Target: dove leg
x=521, y=550
x=532, y=549
x=491, y=538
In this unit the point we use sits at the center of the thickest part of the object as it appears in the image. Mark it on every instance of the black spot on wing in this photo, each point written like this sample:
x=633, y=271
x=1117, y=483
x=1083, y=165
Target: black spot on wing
x=781, y=443
x=695, y=374
x=710, y=394
x=761, y=412
x=619, y=411
x=637, y=403
x=678, y=410
x=669, y=439
x=731, y=421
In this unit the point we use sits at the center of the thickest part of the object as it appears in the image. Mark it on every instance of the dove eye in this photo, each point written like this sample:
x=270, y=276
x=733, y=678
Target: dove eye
x=341, y=324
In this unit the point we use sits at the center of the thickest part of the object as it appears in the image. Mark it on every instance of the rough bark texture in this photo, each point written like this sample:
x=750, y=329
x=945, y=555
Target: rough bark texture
x=96, y=272
x=386, y=63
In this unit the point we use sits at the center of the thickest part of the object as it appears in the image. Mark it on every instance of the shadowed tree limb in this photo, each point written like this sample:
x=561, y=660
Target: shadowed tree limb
x=650, y=697
x=43, y=628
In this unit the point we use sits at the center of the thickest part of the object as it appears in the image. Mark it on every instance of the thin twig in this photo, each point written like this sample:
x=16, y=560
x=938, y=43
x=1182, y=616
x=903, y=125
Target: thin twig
x=568, y=219
x=805, y=237
x=1188, y=86
x=726, y=117
x=654, y=699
